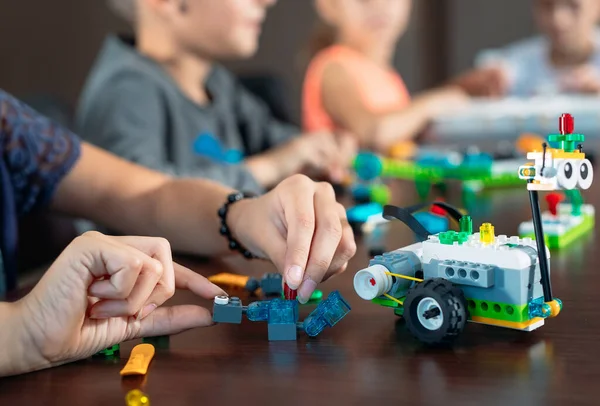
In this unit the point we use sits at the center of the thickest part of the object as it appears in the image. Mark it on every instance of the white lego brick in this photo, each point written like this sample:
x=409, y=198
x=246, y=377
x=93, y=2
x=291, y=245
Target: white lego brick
x=560, y=224
x=566, y=208
x=473, y=250
x=416, y=248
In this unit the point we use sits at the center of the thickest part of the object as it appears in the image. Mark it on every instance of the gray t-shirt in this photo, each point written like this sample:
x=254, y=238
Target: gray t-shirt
x=131, y=107
x=528, y=65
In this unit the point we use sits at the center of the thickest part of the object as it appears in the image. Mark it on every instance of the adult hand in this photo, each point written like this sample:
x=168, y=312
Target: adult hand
x=300, y=227
x=105, y=290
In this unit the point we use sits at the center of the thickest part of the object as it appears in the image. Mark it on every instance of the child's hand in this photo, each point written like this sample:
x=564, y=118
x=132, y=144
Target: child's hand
x=300, y=227
x=585, y=79
x=105, y=290
x=444, y=101
x=484, y=82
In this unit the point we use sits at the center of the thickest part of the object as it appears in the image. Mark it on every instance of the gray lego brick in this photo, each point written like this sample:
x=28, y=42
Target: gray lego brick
x=516, y=286
x=229, y=313
x=272, y=284
x=282, y=332
x=466, y=273
x=399, y=262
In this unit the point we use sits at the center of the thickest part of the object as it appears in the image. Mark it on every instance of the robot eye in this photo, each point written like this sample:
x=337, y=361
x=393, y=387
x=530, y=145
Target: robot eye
x=586, y=174
x=566, y=174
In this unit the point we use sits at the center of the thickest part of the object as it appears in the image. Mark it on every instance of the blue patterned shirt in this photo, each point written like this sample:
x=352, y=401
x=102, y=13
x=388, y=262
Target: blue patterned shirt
x=36, y=154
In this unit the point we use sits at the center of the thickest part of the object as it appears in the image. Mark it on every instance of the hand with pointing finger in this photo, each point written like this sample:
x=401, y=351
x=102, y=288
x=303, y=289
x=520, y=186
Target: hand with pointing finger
x=99, y=292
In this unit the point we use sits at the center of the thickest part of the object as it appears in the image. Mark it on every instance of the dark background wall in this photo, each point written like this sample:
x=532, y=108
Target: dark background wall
x=48, y=46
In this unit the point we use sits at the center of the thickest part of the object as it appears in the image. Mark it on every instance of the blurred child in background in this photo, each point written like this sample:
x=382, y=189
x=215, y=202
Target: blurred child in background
x=351, y=83
x=161, y=100
x=564, y=59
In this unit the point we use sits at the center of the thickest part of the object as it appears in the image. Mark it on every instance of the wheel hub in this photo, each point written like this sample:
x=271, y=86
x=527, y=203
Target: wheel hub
x=429, y=314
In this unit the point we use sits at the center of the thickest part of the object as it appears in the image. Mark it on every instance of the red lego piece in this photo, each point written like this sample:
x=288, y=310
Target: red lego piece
x=553, y=199
x=566, y=124
x=288, y=293
x=437, y=209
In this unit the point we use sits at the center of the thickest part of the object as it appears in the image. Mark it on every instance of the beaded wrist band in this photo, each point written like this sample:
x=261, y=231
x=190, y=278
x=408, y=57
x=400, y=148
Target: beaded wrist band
x=233, y=244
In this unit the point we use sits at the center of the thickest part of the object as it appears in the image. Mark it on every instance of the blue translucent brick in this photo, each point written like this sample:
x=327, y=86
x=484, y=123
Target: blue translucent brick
x=432, y=222
x=360, y=213
x=327, y=314
x=258, y=311
x=283, y=311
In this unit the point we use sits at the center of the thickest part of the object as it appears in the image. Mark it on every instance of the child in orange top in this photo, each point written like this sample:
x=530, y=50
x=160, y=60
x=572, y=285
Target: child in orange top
x=351, y=84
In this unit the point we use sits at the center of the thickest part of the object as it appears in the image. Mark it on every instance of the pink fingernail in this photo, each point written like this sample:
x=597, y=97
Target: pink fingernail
x=294, y=276
x=306, y=290
x=146, y=311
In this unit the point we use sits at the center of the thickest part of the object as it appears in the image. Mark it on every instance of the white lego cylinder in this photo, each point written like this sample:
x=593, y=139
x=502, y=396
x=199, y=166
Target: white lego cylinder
x=221, y=300
x=372, y=282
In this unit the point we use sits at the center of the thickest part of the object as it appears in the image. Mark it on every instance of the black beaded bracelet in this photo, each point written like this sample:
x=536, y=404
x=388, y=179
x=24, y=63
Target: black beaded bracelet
x=233, y=244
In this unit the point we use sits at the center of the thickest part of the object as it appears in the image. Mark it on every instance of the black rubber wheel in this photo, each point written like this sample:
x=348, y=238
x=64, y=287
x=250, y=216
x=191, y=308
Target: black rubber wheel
x=435, y=311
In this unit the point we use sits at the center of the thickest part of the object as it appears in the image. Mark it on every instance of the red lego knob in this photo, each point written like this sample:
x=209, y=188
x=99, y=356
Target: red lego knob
x=566, y=124
x=553, y=199
x=288, y=293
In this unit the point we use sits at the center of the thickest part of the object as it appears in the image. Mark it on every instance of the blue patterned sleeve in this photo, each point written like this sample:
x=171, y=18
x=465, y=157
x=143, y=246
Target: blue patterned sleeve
x=37, y=152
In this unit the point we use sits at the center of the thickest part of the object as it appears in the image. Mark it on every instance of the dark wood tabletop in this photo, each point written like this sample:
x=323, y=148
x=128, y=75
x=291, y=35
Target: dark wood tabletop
x=369, y=357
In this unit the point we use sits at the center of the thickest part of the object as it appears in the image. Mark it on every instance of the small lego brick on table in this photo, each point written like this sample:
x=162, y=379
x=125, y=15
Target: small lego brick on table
x=227, y=310
x=109, y=352
x=271, y=284
x=136, y=397
x=160, y=342
x=327, y=314
x=282, y=320
x=139, y=360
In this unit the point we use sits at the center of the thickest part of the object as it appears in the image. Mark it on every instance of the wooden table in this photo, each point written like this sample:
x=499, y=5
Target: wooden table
x=369, y=357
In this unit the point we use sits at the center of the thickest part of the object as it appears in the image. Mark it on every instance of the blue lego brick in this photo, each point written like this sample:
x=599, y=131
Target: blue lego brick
x=258, y=311
x=271, y=284
x=360, y=213
x=327, y=314
x=228, y=313
x=283, y=311
x=432, y=222
x=283, y=332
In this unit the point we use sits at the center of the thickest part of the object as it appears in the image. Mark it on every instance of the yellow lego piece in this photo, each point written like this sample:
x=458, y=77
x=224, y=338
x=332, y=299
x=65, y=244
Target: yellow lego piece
x=137, y=398
x=139, y=360
x=229, y=280
x=507, y=324
x=486, y=233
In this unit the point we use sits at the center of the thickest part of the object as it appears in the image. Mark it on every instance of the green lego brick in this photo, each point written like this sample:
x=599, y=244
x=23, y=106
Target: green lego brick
x=450, y=237
x=386, y=302
x=466, y=225
x=555, y=242
x=159, y=342
x=498, y=311
x=109, y=352
x=380, y=194
x=399, y=311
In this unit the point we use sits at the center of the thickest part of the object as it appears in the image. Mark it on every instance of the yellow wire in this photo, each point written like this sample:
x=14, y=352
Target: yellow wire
x=394, y=299
x=410, y=278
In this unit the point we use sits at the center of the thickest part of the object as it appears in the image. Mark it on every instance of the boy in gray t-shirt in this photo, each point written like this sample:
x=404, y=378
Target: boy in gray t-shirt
x=162, y=102
x=564, y=59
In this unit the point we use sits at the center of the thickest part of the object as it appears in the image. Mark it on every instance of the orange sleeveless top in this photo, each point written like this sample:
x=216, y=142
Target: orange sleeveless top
x=382, y=90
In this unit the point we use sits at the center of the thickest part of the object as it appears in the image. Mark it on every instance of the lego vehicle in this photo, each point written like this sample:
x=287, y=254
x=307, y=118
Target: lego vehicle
x=450, y=278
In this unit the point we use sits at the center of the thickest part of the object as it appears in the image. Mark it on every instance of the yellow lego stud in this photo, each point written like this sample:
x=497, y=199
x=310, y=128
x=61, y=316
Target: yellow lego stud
x=486, y=233
x=137, y=398
x=139, y=360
